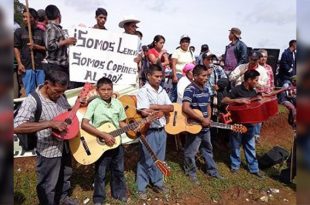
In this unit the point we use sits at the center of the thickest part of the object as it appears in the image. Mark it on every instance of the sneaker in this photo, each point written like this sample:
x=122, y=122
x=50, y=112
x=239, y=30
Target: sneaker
x=98, y=203
x=194, y=180
x=69, y=201
x=142, y=195
x=162, y=189
x=218, y=176
x=259, y=174
x=234, y=170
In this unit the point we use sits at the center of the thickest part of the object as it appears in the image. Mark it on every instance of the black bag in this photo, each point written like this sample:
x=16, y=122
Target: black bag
x=275, y=156
x=29, y=141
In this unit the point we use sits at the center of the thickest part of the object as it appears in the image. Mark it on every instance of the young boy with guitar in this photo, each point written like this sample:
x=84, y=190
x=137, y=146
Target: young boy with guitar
x=241, y=94
x=197, y=96
x=101, y=110
x=152, y=97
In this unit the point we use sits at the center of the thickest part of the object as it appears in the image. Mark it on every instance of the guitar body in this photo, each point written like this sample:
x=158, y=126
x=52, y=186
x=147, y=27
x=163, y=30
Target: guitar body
x=70, y=117
x=87, y=149
x=255, y=112
x=129, y=103
x=72, y=126
x=178, y=122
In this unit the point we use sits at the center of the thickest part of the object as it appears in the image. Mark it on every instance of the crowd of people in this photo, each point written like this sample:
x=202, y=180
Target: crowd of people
x=205, y=82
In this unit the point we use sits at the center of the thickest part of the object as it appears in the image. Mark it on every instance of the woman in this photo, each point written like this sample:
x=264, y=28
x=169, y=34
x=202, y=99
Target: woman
x=156, y=54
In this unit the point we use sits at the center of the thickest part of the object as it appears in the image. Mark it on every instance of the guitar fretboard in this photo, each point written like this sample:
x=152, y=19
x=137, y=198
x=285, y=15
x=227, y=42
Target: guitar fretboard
x=131, y=126
x=149, y=149
x=221, y=125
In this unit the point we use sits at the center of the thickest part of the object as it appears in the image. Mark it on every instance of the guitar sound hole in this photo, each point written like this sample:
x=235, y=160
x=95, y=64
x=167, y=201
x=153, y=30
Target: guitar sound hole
x=68, y=121
x=100, y=141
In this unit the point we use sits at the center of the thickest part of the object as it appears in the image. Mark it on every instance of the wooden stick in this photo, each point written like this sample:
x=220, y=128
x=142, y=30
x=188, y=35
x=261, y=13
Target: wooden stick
x=30, y=35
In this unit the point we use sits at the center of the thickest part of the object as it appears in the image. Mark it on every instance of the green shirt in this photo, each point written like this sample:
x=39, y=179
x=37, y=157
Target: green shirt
x=100, y=112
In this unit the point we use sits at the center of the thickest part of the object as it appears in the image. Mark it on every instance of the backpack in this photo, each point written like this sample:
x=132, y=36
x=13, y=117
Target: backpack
x=275, y=156
x=28, y=141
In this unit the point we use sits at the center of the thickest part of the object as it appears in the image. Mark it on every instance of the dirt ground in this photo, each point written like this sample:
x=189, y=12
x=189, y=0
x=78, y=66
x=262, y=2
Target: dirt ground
x=275, y=131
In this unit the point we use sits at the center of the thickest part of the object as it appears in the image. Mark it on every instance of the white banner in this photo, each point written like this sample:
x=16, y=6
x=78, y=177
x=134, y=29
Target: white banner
x=100, y=53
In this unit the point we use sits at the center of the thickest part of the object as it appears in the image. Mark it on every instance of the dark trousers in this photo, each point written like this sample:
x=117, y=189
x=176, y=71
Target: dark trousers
x=111, y=160
x=53, y=178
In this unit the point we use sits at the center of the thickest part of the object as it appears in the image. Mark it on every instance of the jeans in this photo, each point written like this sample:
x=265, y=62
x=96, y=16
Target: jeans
x=174, y=92
x=147, y=172
x=111, y=160
x=257, y=129
x=247, y=140
x=193, y=143
x=32, y=78
x=53, y=178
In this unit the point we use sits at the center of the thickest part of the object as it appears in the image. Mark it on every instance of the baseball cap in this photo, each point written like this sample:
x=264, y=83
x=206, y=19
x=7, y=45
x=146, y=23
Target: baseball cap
x=188, y=67
x=208, y=54
x=255, y=55
x=185, y=37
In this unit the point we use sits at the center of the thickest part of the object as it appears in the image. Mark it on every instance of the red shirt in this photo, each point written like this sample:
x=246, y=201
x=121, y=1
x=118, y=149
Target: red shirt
x=156, y=54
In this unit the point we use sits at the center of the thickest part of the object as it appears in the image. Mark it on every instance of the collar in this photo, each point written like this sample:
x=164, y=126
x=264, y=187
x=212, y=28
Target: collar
x=54, y=23
x=97, y=27
x=106, y=104
x=148, y=86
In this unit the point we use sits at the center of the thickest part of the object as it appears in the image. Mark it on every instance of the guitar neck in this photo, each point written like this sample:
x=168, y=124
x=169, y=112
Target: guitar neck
x=149, y=149
x=221, y=125
x=131, y=126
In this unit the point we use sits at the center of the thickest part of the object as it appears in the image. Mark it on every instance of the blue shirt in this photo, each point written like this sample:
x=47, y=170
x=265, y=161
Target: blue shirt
x=198, y=98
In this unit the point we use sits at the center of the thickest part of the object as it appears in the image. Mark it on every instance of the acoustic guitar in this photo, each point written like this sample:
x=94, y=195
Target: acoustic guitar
x=70, y=117
x=87, y=148
x=179, y=122
x=130, y=105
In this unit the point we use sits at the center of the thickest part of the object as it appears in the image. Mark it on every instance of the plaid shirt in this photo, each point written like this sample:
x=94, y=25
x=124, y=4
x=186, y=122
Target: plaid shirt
x=47, y=145
x=56, y=54
x=270, y=82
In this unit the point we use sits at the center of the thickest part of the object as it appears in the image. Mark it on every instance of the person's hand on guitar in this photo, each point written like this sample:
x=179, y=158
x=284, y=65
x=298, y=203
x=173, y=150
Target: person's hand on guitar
x=57, y=125
x=243, y=101
x=205, y=122
x=108, y=139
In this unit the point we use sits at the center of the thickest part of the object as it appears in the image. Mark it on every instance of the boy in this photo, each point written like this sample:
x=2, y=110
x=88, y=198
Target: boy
x=197, y=96
x=152, y=97
x=101, y=110
x=240, y=94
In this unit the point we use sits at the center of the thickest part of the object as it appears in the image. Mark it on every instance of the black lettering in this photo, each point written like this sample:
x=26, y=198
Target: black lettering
x=102, y=64
x=119, y=45
x=83, y=61
x=90, y=43
x=76, y=56
x=80, y=37
x=88, y=75
x=108, y=66
x=112, y=46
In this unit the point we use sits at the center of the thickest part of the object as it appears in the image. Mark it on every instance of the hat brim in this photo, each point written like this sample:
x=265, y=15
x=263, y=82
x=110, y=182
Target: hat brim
x=122, y=23
x=185, y=38
x=238, y=36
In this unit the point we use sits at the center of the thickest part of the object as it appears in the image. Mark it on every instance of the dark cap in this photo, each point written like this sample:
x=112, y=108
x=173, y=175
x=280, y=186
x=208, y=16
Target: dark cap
x=236, y=32
x=102, y=11
x=204, y=47
x=208, y=54
x=255, y=55
x=41, y=15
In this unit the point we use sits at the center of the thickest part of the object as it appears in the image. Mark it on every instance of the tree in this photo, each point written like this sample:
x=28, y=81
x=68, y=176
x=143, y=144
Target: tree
x=18, y=12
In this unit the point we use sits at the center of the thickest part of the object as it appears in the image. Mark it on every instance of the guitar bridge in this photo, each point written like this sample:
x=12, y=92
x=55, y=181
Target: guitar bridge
x=175, y=118
x=85, y=146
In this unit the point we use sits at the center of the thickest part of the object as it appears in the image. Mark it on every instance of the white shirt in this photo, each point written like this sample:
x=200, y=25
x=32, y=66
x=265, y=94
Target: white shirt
x=183, y=57
x=182, y=84
x=147, y=96
x=236, y=76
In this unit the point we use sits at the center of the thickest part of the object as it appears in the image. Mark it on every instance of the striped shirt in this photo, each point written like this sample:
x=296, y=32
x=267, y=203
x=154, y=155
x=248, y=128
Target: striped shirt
x=47, y=145
x=198, y=99
x=56, y=54
x=147, y=96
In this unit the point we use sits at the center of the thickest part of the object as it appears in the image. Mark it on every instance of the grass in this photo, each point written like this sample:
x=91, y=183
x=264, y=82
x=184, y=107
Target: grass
x=179, y=185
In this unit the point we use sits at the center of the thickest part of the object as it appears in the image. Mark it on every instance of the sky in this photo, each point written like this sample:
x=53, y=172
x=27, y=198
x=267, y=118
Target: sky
x=264, y=23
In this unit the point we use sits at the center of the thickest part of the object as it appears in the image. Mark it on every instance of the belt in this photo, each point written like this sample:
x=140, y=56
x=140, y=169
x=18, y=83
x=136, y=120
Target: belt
x=156, y=129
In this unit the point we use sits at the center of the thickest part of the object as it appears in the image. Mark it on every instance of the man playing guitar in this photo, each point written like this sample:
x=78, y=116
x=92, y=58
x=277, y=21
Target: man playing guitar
x=197, y=96
x=240, y=95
